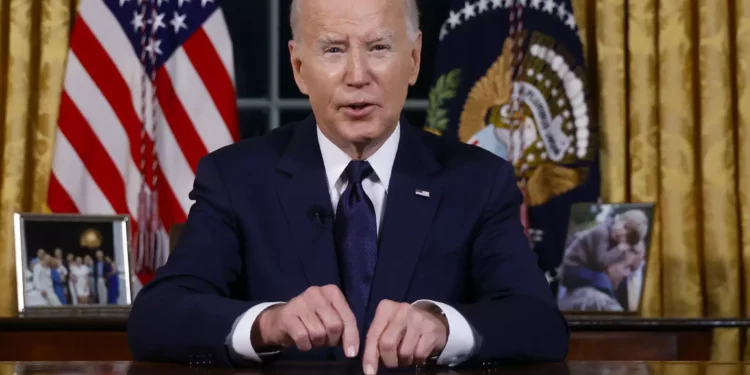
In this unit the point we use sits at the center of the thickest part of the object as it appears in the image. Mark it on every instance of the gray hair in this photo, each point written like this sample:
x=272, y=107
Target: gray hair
x=412, y=19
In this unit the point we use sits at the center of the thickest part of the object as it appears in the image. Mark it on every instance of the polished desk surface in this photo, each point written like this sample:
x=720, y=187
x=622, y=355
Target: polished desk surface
x=118, y=323
x=589, y=368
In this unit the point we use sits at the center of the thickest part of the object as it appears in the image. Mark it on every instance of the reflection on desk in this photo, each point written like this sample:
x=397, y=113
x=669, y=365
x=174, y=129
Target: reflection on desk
x=584, y=368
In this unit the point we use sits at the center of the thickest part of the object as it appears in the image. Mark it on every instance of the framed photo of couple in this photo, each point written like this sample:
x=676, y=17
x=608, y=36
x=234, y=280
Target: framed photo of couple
x=605, y=258
x=72, y=265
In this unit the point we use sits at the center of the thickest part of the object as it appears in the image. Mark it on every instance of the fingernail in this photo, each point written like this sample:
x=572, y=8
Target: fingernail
x=350, y=352
x=369, y=370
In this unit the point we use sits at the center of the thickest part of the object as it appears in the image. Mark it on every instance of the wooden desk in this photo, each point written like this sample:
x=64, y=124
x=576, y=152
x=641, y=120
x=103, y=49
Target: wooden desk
x=601, y=338
x=634, y=339
x=588, y=368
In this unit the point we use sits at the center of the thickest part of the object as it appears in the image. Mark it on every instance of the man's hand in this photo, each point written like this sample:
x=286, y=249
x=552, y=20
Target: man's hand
x=403, y=335
x=316, y=318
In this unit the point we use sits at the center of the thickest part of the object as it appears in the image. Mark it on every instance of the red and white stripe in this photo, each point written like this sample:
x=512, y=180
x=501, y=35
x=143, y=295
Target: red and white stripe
x=98, y=142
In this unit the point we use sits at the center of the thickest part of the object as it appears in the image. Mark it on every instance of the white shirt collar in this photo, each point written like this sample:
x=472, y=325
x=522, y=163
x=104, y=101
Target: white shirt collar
x=335, y=160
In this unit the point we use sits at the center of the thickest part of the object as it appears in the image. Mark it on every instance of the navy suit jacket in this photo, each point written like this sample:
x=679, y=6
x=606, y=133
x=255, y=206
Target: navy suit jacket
x=252, y=236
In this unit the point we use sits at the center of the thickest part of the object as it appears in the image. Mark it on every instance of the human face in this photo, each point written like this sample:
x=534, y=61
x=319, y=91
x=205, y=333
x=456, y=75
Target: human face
x=623, y=269
x=619, y=232
x=355, y=61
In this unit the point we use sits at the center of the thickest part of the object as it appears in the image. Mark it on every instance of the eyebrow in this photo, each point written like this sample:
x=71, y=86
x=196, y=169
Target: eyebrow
x=381, y=37
x=327, y=40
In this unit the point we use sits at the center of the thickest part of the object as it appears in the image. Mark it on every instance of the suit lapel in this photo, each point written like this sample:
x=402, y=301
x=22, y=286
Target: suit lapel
x=413, y=198
x=307, y=205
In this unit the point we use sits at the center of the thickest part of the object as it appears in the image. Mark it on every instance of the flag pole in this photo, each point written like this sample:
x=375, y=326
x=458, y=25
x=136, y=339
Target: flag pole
x=139, y=243
x=516, y=35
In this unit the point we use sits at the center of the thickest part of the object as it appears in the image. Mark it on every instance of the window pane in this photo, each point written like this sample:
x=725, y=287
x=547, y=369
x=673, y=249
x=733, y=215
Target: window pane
x=433, y=13
x=288, y=116
x=247, y=22
x=287, y=86
x=253, y=122
x=415, y=118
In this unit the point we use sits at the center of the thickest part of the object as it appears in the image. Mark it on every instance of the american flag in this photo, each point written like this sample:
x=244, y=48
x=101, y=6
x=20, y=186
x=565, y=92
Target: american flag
x=148, y=91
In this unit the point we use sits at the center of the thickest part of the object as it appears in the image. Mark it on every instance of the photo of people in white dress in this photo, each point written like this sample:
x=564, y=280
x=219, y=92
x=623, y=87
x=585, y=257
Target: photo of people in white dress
x=605, y=258
x=72, y=263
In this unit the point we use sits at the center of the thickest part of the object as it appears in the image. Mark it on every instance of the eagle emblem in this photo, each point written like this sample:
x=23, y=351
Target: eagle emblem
x=553, y=139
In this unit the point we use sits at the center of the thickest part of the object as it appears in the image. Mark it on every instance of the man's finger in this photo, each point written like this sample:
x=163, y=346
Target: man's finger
x=408, y=345
x=390, y=339
x=425, y=347
x=314, y=327
x=350, y=334
x=371, y=356
x=331, y=322
x=298, y=334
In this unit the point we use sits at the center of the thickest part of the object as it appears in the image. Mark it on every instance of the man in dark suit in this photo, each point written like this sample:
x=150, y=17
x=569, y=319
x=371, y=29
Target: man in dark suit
x=351, y=234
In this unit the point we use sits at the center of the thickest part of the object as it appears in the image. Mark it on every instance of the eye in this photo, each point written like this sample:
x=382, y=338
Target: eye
x=380, y=47
x=333, y=50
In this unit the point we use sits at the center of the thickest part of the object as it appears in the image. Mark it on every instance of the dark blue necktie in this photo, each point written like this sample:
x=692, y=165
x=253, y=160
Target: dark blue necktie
x=355, y=231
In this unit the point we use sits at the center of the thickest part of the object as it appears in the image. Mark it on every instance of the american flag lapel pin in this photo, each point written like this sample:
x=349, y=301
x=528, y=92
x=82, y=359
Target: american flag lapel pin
x=422, y=193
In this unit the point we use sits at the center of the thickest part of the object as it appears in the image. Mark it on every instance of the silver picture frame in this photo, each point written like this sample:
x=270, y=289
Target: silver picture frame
x=83, y=257
x=606, y=258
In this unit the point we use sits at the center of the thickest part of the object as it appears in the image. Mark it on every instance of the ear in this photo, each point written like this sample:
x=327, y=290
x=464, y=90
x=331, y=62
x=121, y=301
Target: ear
x=416, y=59
x=295, y=55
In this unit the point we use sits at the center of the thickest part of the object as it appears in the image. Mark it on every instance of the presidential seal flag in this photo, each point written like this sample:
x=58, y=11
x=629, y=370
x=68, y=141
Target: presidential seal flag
x=510, y=78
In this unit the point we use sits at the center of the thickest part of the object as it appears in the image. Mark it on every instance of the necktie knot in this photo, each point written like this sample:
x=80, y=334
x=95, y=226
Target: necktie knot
x=357, y=171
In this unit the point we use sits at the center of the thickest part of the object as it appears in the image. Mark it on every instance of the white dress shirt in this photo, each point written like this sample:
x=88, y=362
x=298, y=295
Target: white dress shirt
x=461, y=341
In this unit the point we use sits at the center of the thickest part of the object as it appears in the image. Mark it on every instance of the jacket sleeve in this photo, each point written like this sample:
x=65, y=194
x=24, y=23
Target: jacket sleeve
x=514, y=310
x=185, y=314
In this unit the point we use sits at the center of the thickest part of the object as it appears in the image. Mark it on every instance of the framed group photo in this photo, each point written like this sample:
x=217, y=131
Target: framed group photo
x=605, y=258
x=69, y=264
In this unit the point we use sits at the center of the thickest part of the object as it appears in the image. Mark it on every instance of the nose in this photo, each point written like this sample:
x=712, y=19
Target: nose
x=357, y=69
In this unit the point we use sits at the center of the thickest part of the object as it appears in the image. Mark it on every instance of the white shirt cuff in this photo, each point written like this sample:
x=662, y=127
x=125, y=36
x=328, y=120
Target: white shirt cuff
x=240, y=342
x=461, y=341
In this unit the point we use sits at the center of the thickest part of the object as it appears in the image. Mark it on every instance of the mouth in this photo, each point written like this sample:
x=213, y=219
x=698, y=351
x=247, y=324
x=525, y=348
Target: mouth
x=359, y=109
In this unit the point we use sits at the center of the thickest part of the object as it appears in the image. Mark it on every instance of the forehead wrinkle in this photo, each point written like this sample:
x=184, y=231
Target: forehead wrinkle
x=411, y=10
x=322, y=21
x=383, y=35
x=330, y=39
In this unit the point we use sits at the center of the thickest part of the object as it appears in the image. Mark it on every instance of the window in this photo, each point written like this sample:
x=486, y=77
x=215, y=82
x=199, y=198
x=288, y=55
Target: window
x=267, y=94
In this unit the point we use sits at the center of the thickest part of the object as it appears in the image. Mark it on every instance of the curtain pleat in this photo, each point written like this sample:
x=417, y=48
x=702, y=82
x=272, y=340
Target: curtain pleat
x=611, y=55
x=33, y=65
x=715, y=142
x=682, y=293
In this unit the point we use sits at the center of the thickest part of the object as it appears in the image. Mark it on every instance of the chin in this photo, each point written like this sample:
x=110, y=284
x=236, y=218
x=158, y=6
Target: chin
x=363, y=130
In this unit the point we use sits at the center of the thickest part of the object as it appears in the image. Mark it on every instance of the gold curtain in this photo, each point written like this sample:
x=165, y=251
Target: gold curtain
x=674, y=115
x=33, y=47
